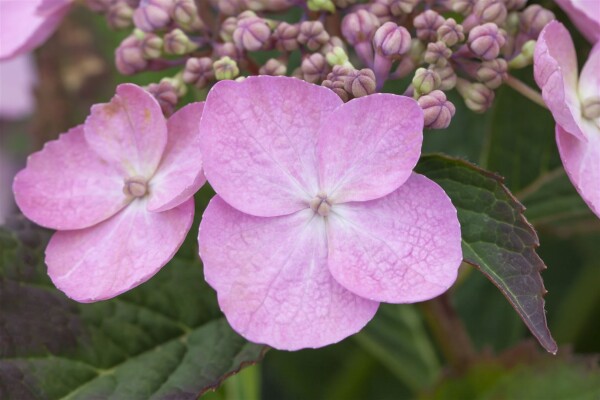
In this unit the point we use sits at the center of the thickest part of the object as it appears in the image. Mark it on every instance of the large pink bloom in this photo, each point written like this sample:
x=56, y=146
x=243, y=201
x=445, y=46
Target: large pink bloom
x=575, y=104
x=119, y=191
x=585, y=14
x=318, y=216
x=26, y=24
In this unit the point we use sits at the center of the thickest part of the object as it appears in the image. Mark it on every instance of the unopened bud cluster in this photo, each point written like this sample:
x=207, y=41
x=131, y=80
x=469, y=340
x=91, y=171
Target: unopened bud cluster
x=352, y=47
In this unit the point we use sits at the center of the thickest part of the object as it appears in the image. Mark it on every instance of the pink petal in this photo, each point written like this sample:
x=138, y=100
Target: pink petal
x=402, y=248
x=369, y=146
x=555, y=71
x=66, y=185
x=585, y=14
x=119, y=254
x=179, y=174
x=272, y=281
x=17, y=80
x=129, y=132
x=581, y=160
x=27, y=24
x=258, y=142
x=589, y=80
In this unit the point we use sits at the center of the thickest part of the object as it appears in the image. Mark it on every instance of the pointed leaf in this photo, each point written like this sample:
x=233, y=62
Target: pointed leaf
x=497, y=239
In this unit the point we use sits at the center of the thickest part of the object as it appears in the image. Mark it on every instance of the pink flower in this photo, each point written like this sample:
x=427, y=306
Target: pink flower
x=119, y=191
x=585, y=14
x=17, y=80
x=575, y=104
x=26, y=24
x=318, y=216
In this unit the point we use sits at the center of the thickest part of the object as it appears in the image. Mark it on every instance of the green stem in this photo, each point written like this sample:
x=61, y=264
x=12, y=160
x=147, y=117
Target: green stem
x=525, y=90
x=449, y=332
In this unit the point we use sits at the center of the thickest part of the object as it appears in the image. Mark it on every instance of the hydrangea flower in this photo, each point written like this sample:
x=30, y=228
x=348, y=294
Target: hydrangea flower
x=575, y=104
x=318, y=216
x=119, y=191
x=585, y=14
x=27, y=24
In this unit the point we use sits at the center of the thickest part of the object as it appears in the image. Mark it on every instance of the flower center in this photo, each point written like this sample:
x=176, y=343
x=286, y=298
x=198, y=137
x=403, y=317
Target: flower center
x=320, y=205
x=136, y=187
x=590, y=108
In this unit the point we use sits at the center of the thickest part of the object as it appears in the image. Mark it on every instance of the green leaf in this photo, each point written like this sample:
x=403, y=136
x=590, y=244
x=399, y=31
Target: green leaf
x=496, y=237
x=164, y=339
x=398, y=338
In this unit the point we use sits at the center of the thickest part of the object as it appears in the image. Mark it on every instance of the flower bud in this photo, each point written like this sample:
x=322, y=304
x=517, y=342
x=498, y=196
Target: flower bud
x=314, y=68
x=590, y=108
x=359, y=26
x=427, y=24
x=391, y=40
x=403, y=7
x=463, y=7
x=273, y=67
x=533, y=19
x=437, y=53
x=152, y=46
x=437, y=110
x=321, y=5
x=381, y=9
x=312, y=35
x=514, y=5
x=332, y=43
x=225, y=69
x=450, y=32
x=286, y=37
x=119, y=15
x=228, y=50
x=425, y=81
x=362, y=83
x=198, y=72
x=228, y=26
x=337, y=56
x=129, y=57
x=447, y=75
x=492, y=73
x=185, y=14
x=251, y=33
x=490, y=11
x=177, y=42
x=153, y=15
x=486, y=40
x=230, y=7
x=338, y=88
x=166, y=95
x=477, y=96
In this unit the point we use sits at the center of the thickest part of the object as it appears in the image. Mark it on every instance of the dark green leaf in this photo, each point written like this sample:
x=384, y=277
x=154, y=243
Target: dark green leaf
x=496, y=237
x=164, y=340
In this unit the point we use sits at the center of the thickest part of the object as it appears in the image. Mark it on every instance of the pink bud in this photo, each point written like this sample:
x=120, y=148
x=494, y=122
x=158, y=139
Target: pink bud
x=486, y=40
x=490, y=11
x=312, y=35
x=273, y=67
x=359, y=26
x=314, y=68
x=425, y=81
x=198, y=71
x=463, y=7
x=437, y=53
x=230, y=7
x=119, y=15
x=286, y=37
x=153, y=15
x=437, y=110
x=450, y=32
x=129, y=57
x=391, y=40
x=166, y=95
x=533, y=19
x=185, y=14
x=251, y=33
x=492, y=73
x=403, y=7
x=362, y=83
x=427, y=24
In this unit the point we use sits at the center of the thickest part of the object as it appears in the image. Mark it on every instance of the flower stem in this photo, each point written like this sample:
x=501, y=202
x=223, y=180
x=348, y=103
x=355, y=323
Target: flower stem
x=525, y=90
x=449, y=331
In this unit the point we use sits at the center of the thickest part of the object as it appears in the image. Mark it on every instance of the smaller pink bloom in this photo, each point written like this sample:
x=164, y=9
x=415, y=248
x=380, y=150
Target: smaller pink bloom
x=26, y=24
x=575, y=105
x=17, y=80
x=119, y=191
x=318, y=216
x=585, y=14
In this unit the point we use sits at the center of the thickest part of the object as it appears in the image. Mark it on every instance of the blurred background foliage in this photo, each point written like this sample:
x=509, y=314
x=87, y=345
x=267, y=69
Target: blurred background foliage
x=397, y=356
